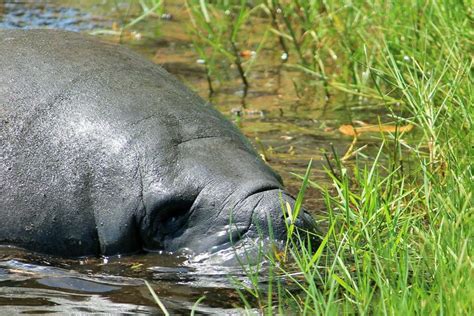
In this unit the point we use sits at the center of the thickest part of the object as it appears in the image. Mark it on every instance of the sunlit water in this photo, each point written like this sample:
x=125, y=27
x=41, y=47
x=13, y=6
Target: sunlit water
x=288, y=130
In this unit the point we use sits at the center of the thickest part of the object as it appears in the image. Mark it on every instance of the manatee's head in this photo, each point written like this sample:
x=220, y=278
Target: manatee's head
x=219, y=195
x=212, y=222
x=257, y=226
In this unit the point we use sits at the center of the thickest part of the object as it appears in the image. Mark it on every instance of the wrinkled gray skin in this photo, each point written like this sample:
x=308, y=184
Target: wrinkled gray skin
x=103, y=152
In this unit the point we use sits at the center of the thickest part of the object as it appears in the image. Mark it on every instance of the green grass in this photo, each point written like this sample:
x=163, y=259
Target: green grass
x=395, y=246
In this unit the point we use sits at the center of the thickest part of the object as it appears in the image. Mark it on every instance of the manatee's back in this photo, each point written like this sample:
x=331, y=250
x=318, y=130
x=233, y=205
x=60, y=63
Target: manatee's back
x=72, y=111
x=55, y=153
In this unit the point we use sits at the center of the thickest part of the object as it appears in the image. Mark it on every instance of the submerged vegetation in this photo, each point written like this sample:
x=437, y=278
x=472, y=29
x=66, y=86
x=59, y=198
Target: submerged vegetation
x=400, y=225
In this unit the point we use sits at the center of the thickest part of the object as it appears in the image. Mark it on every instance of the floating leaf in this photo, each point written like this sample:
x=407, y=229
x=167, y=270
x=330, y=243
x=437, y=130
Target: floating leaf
x=136, y=266
x=348, y=130
x=247, y=53
x=354, y=131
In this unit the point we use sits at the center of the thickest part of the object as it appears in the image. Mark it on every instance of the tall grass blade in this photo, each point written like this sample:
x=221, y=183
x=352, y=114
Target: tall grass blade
x=157, y=299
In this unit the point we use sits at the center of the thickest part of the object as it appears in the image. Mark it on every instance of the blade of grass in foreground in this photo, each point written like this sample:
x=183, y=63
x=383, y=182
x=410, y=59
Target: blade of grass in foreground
x=157, y=299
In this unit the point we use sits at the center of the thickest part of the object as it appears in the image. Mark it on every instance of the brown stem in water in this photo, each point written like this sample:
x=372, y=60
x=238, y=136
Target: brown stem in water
x=209, y=80
x=240, y=68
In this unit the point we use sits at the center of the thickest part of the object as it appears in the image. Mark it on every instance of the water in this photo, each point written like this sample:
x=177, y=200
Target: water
x=288, y=130
x=40, y=284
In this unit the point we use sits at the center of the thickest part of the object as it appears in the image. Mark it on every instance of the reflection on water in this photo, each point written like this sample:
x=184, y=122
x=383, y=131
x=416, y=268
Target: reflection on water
x=286, y=129
x=39, y=14
x=34, y=283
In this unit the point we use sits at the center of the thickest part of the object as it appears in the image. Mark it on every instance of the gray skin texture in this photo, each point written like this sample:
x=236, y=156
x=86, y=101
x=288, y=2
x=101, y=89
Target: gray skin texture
x=102, y=152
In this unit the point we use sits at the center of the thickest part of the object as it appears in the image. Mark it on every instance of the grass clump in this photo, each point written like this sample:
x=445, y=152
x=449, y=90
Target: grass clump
x=395, y=245
x=218, y=31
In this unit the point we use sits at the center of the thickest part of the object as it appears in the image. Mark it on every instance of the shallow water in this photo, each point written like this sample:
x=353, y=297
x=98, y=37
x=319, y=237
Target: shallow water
x=288, y=130
x=39, y=284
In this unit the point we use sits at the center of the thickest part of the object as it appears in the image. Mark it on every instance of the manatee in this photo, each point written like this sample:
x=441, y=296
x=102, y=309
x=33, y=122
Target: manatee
x=103, y=152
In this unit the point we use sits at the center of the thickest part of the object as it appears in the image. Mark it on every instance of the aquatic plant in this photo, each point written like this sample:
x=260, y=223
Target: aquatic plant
x=218, y=26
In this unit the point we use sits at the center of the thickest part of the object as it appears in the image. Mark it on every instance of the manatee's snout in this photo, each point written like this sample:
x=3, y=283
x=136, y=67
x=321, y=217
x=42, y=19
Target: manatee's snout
x=261, y=215
x=273, y=213
x=258, y=221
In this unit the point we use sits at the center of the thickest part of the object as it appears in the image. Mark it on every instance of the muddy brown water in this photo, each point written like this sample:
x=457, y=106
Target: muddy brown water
x=287, y=129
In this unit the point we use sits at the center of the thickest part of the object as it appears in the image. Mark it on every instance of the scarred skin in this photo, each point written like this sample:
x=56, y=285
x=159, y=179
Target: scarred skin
x=102, y=152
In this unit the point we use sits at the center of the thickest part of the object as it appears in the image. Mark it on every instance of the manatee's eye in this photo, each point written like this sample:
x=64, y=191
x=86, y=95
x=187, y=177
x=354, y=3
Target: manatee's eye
x=169, y=220
x=173, y=216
